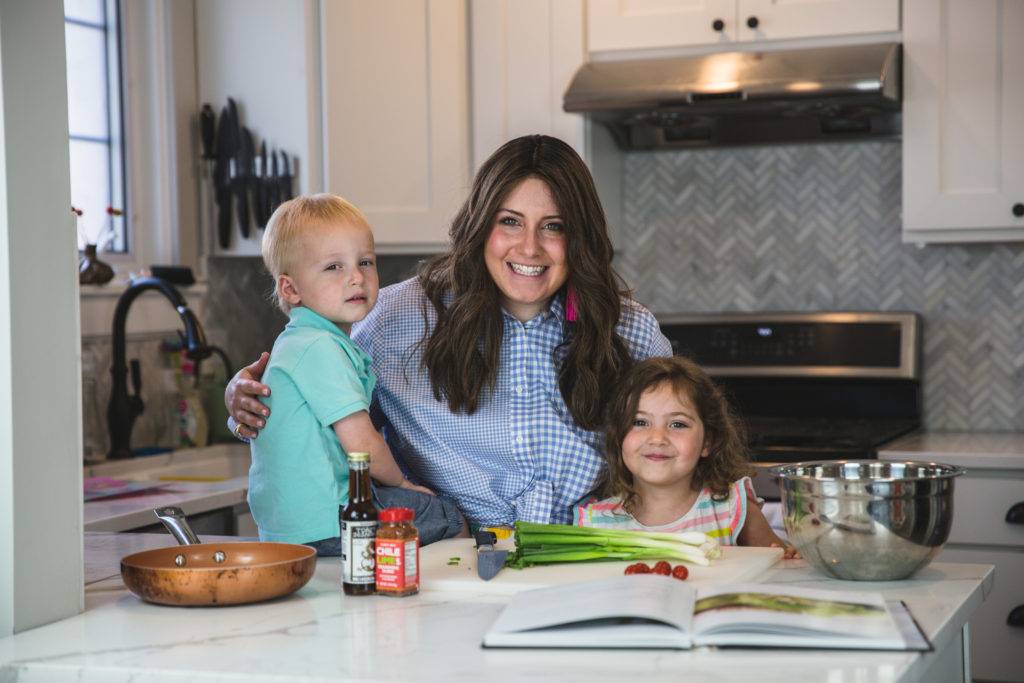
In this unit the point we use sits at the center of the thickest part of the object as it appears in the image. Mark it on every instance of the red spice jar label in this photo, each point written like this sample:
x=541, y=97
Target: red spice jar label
x=397, y=564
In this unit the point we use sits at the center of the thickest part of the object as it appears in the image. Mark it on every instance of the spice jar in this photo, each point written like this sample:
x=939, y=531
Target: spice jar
x=398, y=553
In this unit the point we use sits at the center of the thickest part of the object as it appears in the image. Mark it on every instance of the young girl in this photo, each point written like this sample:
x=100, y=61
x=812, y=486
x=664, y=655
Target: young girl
x=677, y=460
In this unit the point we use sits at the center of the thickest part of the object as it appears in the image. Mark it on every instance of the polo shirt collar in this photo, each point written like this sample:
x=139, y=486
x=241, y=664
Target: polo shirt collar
x=300, y=316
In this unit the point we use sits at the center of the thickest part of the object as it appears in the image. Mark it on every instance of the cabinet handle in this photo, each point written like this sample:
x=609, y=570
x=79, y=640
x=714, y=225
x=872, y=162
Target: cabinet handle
x=752, y=22
x=1016, y=616
x=1015, y=515
x=718, y=25
x=1018, y=208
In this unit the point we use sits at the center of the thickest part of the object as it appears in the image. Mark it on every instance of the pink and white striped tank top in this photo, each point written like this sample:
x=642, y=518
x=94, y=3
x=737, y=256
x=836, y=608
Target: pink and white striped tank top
x=720, y=519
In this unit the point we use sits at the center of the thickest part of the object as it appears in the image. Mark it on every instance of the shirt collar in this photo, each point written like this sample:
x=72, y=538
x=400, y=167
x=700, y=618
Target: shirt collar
x=300, y=316
x=555, y=310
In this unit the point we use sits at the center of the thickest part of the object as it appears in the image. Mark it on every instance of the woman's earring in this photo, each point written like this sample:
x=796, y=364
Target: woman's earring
x=571, y=304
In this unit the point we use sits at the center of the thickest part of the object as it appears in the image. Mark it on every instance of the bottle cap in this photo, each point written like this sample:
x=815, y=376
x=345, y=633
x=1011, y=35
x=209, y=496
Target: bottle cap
x=396, y=515
x=359, y=456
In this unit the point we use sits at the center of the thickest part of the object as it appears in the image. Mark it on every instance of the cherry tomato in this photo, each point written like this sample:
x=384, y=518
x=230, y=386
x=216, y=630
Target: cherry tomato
x=642, y=568
x=631, y=569
x=680, y=572
x=663, y=568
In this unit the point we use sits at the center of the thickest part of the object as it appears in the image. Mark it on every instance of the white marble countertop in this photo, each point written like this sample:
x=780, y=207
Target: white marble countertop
x=226, y=465
x=320, y=634
x=982, y=450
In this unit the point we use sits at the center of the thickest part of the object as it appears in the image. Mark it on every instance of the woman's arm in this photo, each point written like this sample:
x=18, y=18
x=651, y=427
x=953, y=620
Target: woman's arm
x=357, y=434
x=240, y=398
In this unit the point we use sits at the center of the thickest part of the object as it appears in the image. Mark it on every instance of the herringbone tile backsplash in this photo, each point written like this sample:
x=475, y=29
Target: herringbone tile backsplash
x=817, y=227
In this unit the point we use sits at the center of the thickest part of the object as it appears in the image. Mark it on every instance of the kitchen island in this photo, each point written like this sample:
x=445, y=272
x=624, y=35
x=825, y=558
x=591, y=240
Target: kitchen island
x=320, y=634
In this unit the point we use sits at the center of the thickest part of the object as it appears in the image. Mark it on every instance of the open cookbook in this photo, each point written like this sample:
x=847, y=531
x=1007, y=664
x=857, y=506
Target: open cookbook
x=652, y=611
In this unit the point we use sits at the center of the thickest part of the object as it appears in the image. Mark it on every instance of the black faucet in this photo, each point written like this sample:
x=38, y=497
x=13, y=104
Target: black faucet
x=124, y=408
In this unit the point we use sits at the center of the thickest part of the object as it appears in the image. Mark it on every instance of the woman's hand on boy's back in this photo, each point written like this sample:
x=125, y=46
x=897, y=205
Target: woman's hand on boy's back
x=241, y=400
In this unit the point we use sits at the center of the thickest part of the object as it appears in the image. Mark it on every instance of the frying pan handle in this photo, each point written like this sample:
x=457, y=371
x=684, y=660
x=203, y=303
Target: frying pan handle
x=174, y=519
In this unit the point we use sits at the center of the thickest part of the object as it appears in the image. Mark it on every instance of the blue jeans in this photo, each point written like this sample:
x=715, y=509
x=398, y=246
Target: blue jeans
x=436, y=517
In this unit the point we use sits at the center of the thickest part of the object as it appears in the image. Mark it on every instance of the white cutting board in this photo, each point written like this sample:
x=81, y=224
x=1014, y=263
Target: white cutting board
x=737, y=564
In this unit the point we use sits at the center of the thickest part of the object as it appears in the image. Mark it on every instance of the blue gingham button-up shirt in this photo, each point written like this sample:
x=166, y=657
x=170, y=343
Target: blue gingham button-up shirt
x=519, y=456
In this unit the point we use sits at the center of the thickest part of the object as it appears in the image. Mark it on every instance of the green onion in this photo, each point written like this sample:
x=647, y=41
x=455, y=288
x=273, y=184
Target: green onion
x=553, y=543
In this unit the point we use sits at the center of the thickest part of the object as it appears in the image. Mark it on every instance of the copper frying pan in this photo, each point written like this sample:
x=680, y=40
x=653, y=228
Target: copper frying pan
x=197, y=573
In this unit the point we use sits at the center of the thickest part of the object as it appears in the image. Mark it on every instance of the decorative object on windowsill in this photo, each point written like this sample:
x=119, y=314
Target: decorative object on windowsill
x=91, y=270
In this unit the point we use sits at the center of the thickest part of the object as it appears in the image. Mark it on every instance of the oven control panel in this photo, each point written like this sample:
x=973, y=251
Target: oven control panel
x=744, y=344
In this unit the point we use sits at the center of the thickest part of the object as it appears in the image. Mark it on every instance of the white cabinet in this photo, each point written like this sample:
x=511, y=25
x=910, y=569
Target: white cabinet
x=396, y=115
x=988, y=528
x=641, y=24
x=525, y=53
x=635, y=24
x=963, y=108
x=276, y=88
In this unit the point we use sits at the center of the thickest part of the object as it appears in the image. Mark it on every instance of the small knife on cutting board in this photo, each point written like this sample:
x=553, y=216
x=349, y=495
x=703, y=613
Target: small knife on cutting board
x=489, y=560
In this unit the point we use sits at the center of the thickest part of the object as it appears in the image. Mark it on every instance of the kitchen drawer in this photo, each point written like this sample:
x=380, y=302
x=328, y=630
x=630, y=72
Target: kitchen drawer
x=979, y=510
x=997, y=649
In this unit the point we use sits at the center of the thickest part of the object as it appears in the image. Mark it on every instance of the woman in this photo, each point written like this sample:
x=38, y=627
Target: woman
x=493, y=363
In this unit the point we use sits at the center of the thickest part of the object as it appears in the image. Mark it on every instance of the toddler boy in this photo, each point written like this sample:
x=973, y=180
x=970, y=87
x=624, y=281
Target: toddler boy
x=320, y=251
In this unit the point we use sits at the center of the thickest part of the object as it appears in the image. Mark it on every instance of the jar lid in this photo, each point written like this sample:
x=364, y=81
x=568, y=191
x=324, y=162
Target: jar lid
x=359, y=456
x=396, y=515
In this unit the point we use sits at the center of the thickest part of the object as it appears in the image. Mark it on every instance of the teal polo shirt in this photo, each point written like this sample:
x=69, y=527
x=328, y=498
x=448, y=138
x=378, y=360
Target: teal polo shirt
x=299, y=472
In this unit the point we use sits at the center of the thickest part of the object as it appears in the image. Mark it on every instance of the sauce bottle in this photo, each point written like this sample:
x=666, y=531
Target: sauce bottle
x=358, y=530
x=398, y=553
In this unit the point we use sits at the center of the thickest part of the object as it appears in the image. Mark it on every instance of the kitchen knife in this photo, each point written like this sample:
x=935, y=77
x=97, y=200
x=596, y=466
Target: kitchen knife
x=286, y=178
x=273, y=184
x=261, y=203
x=207, y=128
x=221, y=179
x=244, y=178
x=489, y=561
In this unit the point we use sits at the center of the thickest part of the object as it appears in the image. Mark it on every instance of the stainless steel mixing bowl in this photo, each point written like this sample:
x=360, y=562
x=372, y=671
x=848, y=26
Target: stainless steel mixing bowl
x=867, y=520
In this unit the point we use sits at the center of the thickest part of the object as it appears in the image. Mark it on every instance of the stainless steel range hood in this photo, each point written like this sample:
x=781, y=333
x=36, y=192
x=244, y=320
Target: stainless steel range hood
x=738, y=98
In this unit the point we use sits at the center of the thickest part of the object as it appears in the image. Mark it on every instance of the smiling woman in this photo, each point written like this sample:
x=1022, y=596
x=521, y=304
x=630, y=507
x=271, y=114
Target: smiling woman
x=489, y=390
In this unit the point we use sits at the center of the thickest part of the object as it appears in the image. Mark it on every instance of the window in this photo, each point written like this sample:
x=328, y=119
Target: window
x=95, y=123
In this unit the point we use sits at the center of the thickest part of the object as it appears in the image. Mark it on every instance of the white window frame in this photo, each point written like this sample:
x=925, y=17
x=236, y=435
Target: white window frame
x=160, y=167
x=115, y=109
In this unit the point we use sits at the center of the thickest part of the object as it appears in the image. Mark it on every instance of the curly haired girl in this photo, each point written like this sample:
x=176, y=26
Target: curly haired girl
x=677, y=460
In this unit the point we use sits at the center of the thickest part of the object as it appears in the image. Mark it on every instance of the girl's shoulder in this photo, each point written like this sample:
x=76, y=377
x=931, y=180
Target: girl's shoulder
x=607, y=513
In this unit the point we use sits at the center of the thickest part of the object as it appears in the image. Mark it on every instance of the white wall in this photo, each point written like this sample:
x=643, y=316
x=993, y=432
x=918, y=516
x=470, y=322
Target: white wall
x=40, y=388
x=264, y=54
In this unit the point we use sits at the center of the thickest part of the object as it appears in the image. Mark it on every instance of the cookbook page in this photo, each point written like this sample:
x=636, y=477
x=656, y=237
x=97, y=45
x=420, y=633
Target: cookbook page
x=765, y=615
x=605, y=601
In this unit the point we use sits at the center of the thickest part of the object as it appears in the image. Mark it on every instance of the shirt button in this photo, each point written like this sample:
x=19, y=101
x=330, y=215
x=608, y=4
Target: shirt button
x=519, y=439
x=519, y=389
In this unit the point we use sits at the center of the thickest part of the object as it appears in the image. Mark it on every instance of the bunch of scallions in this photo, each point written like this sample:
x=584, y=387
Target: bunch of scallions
x=553, y=543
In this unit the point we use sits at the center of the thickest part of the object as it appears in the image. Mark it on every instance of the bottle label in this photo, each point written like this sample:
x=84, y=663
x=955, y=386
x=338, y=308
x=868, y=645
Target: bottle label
x=357, y=552
x=397, y=566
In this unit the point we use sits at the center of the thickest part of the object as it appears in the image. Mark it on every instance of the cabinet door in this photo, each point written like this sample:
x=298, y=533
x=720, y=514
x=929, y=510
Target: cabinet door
x=396, y=119
x=963, y=103
x=997, y=648
x=525, y=53
x=775, y=19
x=633, y=24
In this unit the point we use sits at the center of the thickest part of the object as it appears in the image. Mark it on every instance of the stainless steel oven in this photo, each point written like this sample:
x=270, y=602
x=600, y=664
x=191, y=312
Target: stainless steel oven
x=810, y=386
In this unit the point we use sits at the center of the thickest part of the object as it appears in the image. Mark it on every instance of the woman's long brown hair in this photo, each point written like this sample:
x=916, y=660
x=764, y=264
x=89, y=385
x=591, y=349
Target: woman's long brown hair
x=462, y=353
x=727, y=458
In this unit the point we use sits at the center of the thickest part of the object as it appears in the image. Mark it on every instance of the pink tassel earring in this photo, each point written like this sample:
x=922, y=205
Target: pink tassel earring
x=571, y=304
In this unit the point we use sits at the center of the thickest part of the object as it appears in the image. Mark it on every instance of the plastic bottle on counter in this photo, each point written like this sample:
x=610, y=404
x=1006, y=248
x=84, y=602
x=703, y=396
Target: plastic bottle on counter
x=194, y=429
x=398, y=553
